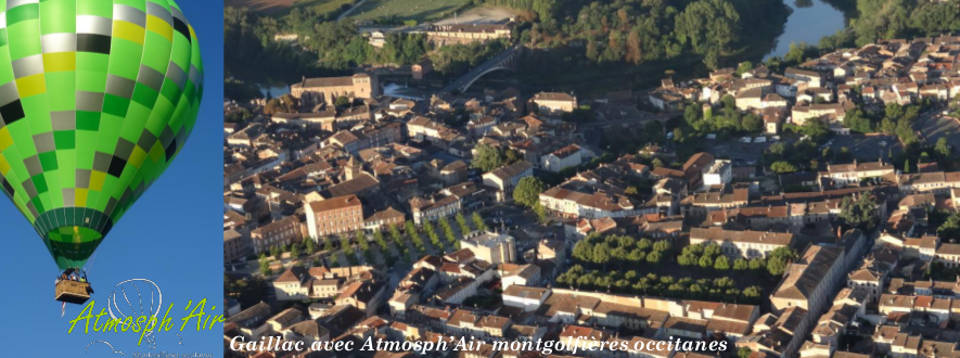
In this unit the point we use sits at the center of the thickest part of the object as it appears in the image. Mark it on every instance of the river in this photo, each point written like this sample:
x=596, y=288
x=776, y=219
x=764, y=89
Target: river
x=807, y=24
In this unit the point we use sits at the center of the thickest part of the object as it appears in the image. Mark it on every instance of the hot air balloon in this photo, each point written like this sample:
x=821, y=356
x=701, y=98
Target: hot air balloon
x=96, y=99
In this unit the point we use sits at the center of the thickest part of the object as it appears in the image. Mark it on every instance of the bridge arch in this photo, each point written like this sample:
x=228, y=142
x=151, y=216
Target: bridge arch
x=506, y=60
x=480, y=75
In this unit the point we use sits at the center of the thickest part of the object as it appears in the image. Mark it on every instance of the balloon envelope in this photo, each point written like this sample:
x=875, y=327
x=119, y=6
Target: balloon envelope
x=96, y=98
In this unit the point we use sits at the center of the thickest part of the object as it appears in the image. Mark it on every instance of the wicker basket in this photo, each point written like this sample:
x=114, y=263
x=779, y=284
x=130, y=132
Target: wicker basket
x=73, y=291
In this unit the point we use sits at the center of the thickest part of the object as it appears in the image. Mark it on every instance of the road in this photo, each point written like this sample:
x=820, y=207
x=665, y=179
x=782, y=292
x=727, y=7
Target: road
x=344, y=14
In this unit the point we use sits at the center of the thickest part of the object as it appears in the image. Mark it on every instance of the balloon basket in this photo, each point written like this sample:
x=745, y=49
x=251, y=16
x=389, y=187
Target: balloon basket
x=75, y=292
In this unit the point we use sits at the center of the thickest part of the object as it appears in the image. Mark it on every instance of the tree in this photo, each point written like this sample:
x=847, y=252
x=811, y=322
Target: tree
x=333, y=260
x=950, y=229
x=396, y=236
x=341, y=102
x=528, y=190
x=487, y=158
x=644, y=244
x=705, y=261
x=721, y=263
x=776, y=265
x=857, y=121
x=462, y=223
x=265, y=266
x=275, y=251
x=447, y=230
x=657, y=163
x=294, y=250
x=782, y=167
x=431, y=233
x=654, y=257
x=740, y=264
x=756, y=263
x=752, y=292
x=583, y=251
x=414, y=237
x=710, y=27
x=861, y=212
x=711, y=250
x=661, y=246
x=310, y=246
x=932, y=18
x=751, y=123
x=478, y=222
x=346, y=247
x=816, y=128
x=328, y=244
x=601, y=254
x=362, y=240
x=541, y=212
x=942, y=148
x=378, y=238
x=744, y=352
x=796, y=53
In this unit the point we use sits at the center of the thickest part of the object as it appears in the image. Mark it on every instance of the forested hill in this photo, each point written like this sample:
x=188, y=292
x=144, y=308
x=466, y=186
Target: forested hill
x=609, y=45
x=635, y=31
x=872, y=20
x=604, y=40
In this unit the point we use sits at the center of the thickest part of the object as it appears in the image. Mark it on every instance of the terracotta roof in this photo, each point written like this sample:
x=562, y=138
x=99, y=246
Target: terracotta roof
x=554, y=96
x=325, y=82
x=804, y=277
x=566, y=151
x=761, y=237
x=507, y=172
x=335, y=203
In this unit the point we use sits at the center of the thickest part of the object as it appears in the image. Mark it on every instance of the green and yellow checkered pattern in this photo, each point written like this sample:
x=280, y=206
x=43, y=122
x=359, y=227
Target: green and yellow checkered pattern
x=96, y=98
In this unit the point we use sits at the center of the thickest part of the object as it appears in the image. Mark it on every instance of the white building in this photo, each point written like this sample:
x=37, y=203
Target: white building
x=563, y=158
x=719, y=173
x=527, y=298
x=554, y=102
x=746, y=243
x=505, y=178
x=491, y=247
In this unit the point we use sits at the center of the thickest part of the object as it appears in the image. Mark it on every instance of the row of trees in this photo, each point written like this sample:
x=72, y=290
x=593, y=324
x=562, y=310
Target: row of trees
x=683, y=287
x=409, y=244
x=710, y=256
x=600, y=252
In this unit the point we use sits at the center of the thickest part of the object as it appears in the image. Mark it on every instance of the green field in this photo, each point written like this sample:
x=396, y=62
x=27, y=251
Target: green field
x=324, y=6
x=279, y=7
x=418, y=10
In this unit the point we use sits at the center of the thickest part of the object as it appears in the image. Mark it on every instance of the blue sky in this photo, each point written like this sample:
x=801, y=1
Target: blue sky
x=172, y=236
